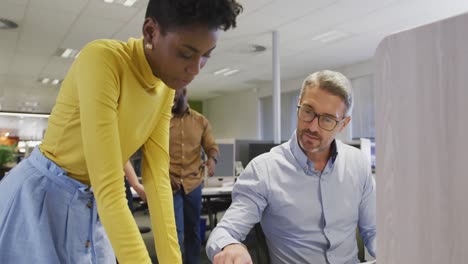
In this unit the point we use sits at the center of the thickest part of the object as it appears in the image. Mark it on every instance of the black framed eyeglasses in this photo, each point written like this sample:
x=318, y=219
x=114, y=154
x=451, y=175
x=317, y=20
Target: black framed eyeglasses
x=325, y=121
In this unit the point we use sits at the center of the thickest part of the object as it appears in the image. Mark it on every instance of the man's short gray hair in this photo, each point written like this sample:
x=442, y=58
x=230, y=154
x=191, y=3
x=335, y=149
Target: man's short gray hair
x=332, y=82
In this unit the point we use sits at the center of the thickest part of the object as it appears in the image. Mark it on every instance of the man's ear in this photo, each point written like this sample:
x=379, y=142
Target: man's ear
x=345, y=123
x=151, y=30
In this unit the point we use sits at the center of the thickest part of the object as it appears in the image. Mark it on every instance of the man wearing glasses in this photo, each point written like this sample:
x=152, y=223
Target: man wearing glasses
x=310, y=193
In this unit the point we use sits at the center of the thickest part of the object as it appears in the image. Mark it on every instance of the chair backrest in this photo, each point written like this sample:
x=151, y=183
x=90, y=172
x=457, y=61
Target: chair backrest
x=256, y=244
x=263, y=255
x=360, y=245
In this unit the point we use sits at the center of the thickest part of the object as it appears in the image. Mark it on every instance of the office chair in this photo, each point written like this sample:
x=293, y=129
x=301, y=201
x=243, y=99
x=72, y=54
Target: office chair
x=261, y=248
x=360, y=245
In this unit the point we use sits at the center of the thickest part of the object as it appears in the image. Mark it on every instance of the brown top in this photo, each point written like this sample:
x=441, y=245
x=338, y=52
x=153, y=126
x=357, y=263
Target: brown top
x=188, y=134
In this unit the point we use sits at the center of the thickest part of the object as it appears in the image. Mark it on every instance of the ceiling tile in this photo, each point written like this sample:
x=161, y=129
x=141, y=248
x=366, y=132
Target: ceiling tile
x=29, y=64
x=12, y=10
x=101, y=9
x=5, y=62
x=70, y=6
x=57, y=67
x=326, y=19
x=133, y=28
x=87, y=29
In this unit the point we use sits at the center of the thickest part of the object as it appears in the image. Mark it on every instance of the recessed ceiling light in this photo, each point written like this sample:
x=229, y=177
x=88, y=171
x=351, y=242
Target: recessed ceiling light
x=31, y=103
x=129, y=2
x=221, y=71
x=7, y=24
x=126, y=3
x=231, y=72
x=330, y=36
x=52, y=81
x=67, y=53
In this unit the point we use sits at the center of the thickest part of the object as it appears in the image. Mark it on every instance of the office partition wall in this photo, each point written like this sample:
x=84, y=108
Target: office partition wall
x=421, y=127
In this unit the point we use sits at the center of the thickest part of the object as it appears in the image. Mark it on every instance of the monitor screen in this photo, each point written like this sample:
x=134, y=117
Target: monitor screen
x=256, y=149
x=226, y=161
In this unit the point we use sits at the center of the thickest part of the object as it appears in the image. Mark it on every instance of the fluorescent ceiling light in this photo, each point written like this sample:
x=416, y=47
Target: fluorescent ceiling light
x=69, y=53
x=47, y=80
x=221, y=71
x=66, y=53
x=126, y=3
x=129, y=3
x=231, y=72
x=24, y=114
x=330, y=36
x=31, y=103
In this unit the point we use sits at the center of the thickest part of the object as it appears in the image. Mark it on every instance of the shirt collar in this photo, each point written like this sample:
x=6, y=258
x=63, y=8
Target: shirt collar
x=297, y=152
x=301, y=157
x=186, y=113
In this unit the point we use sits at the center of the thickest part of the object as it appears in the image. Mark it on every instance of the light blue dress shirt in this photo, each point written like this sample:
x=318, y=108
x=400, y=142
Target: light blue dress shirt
x=307, y=216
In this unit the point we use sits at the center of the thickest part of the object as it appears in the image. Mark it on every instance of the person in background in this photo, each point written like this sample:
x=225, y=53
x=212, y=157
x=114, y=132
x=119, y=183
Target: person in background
x=190, y=132
x=310, y=193
x=132, y=178
x=131, y=181
x=66, y=202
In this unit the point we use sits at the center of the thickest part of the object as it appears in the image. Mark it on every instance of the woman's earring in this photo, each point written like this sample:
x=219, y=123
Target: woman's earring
x=149, y=46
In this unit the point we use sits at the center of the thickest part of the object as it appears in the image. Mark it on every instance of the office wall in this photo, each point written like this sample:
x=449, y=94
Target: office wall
x=233, y=115
x=421, y=93
x=241, y=114
x=288, y=115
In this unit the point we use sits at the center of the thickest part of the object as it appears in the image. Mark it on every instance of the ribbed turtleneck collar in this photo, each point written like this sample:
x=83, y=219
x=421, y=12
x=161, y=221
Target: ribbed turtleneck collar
x=140, y=61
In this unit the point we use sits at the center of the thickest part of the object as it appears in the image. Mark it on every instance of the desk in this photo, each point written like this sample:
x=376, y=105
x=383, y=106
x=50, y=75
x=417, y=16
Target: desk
x=213, y=196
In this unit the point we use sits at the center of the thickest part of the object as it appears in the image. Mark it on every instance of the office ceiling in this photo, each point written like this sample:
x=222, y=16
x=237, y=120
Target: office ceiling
x=351, y=30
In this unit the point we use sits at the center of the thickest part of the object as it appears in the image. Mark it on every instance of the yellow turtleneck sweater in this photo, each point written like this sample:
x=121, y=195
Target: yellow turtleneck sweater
x=109, y=105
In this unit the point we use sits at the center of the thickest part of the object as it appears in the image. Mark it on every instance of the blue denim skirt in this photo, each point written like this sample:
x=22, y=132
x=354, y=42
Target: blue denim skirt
x=48, y=217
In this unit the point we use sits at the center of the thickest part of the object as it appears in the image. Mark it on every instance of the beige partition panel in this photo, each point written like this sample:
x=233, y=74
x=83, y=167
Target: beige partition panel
x=422, y=144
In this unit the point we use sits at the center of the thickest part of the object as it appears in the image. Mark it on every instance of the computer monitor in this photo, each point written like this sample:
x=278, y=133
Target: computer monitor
x=226, y=161
x=256, y=149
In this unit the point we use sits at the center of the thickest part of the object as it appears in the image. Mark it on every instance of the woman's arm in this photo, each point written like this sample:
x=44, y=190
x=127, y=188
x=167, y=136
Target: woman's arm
x=155, y=174
x=97, y=80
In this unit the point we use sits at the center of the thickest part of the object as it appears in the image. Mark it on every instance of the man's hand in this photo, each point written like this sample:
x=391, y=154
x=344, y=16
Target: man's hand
x=210, y=164
x=174, y=184
x=233, y=254
x=140, y=190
